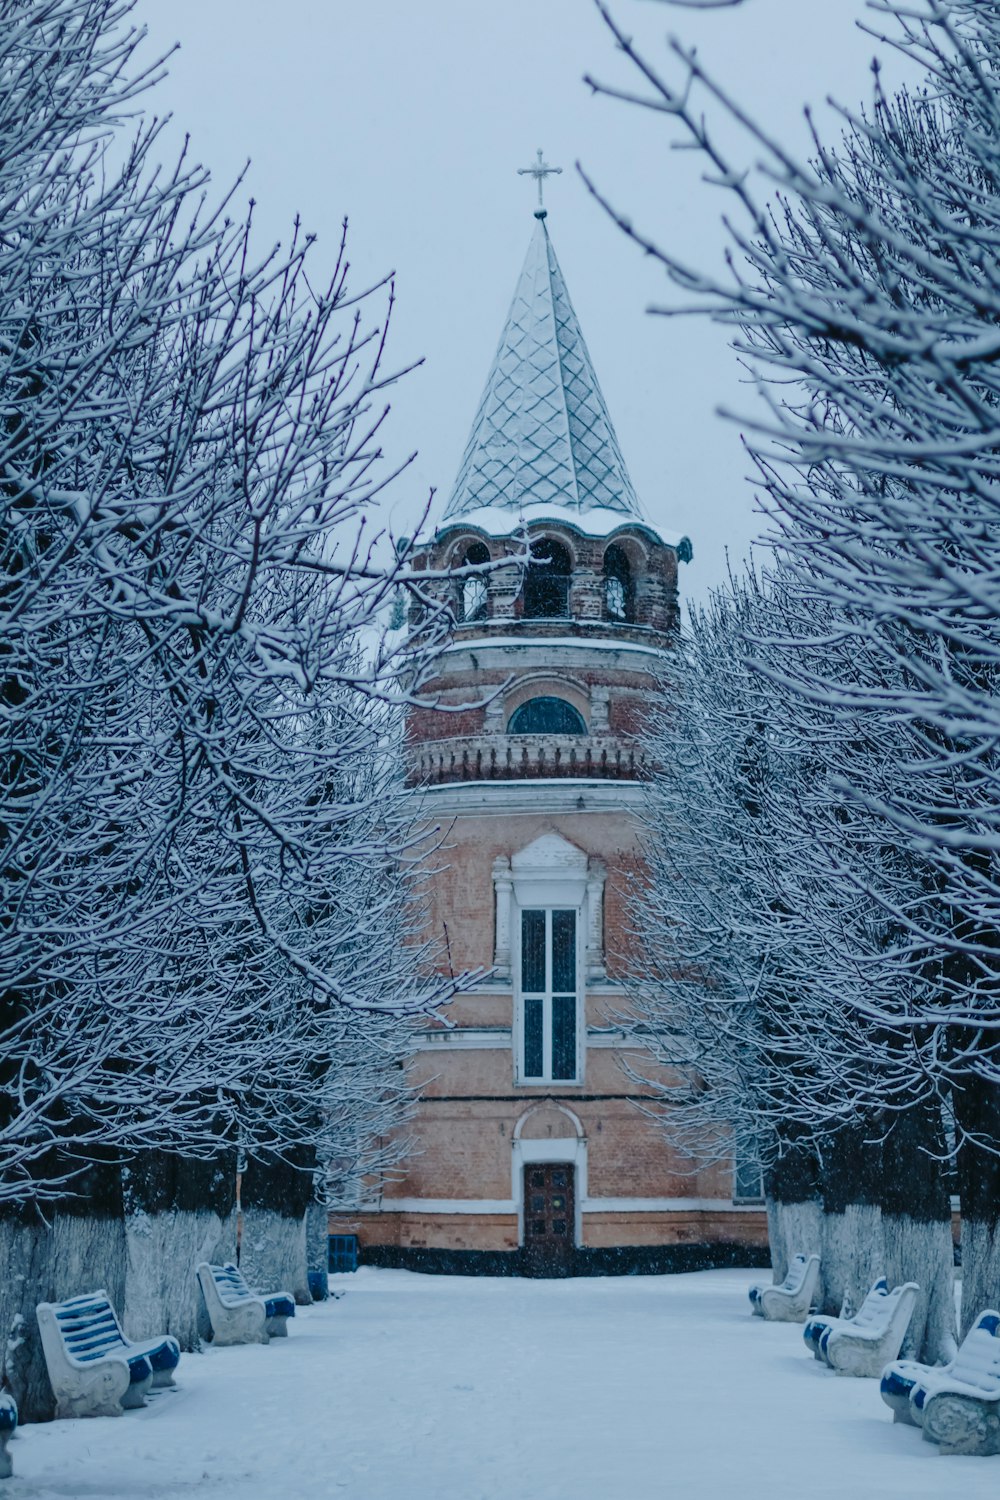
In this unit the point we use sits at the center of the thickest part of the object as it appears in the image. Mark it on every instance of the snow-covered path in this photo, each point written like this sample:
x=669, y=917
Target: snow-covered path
x=438, y=1388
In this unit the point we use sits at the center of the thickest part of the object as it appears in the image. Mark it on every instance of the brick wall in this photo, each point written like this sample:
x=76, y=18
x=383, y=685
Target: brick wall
x=462, y=894
x=653, y=567
x=700, y=1227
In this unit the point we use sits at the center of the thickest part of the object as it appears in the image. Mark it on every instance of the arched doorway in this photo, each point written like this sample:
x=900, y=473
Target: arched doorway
x=550, y=1182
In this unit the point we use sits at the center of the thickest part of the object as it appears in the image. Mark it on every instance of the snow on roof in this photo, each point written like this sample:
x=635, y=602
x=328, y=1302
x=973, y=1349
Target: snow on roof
x=598, y=520
x=542, y=434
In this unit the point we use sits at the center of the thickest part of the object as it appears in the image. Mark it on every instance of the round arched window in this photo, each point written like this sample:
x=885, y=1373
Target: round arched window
x=546, y=716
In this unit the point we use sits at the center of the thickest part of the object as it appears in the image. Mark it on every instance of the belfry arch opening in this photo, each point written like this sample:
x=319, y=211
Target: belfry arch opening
x=547, y=581
x=473, y=593
x=619, y=585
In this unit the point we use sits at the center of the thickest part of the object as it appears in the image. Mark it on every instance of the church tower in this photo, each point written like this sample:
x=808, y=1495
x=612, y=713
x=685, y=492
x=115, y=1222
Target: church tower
x=532, y=1151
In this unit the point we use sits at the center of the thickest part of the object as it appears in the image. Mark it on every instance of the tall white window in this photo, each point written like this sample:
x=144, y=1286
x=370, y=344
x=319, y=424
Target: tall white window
x=548, y=995
x=549, y=939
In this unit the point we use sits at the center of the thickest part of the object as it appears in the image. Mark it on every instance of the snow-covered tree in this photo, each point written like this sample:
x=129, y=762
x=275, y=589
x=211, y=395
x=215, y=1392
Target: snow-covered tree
x=764, y=952
x=864, y=298
x=208, y=880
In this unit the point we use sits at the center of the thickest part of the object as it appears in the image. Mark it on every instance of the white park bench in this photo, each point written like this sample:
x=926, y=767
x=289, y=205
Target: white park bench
x=8, y=1426
x=239, y=1315
x=790, y=1301
x=817, y=1330
x=862, y=1345
x=94, y=1369
x=958, y=1404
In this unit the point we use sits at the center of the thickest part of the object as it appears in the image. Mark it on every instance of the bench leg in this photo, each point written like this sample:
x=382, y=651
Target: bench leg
x=239, y=1325
x=961, y=1424
x=6, y=1466
x=136, y=1394
x=102, y=1395
x=781, y=1309
x=277, y=1327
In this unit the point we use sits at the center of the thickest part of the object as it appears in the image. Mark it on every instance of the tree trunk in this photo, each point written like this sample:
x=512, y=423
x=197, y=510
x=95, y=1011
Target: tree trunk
x=977, y=1113
x=78, y=1246
x=794, y=1208
x=177, y=1212
x=916, y=1228
x=853, y=1255
x=318, y=1245
x=274, y=1197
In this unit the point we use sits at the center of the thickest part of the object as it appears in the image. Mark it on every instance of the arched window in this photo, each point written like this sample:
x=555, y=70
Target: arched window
x=474, y=591
x=619, y=594
x=546, y=583
x=546, y=716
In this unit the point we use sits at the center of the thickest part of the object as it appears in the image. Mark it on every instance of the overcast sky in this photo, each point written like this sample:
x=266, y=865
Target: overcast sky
x=411, y=120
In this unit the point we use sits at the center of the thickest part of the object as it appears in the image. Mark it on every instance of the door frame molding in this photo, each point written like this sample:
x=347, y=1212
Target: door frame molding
x=571, y=1149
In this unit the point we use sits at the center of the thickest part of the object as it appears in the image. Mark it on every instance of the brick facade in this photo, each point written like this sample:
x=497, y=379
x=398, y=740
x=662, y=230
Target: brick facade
x=573, y=797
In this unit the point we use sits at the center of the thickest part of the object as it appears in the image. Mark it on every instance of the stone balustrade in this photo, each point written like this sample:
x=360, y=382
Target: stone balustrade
x=512, y=757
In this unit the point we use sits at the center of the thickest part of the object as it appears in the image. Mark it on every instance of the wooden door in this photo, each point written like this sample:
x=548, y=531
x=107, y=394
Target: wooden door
x=549, y=1218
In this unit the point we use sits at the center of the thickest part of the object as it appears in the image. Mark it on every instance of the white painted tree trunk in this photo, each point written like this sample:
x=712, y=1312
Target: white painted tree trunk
x=980, y=1269
x=977, y=1113
x=916, y=1223
x=852, y=1256
x=793, y=1229
x=161, y=1290
x=317, y=1239
x=920, y=1250
x=47, y=1264
x=273, y=1253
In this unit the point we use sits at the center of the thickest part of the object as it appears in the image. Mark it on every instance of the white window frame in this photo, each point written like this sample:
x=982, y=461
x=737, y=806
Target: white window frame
x=547, y=997
x=551, y=874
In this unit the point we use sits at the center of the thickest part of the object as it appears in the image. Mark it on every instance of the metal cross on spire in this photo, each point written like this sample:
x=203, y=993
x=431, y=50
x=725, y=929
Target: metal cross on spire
x=539, y=172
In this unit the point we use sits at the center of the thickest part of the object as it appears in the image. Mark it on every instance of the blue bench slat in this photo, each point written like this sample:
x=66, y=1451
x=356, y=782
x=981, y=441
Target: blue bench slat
x=139, y=1369
x=166, y=1357
x=279, y=1307
x=79, y=1310
x=90, y=1330
x=80, y=1326
x=104, y=1338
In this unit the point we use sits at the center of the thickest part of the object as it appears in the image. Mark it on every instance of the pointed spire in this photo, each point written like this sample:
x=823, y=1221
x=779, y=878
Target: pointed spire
x=542, y=434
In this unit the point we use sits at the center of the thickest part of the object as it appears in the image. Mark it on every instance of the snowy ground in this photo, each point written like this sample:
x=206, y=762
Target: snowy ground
x=440, y=1388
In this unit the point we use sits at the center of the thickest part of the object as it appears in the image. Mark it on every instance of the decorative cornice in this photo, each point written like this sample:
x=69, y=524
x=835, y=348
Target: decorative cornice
x=582, y=644
x=513, y=798
x=527, y=757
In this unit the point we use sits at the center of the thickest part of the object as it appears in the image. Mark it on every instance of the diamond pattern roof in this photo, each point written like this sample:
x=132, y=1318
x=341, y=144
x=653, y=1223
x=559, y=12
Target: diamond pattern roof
x=542, y=434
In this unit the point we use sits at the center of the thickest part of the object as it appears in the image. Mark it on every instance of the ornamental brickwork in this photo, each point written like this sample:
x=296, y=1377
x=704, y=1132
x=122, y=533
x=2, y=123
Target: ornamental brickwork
x=503, y=657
